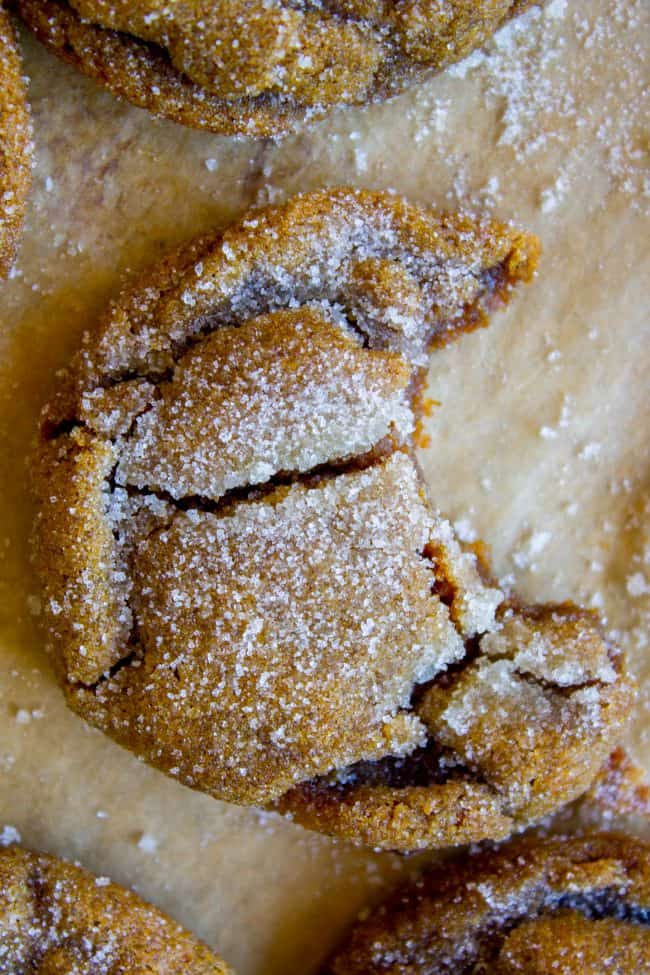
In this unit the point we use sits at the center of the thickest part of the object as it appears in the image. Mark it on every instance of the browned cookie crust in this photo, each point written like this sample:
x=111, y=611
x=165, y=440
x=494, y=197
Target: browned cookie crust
x=244, y=580
x=256, y=68
x=564, y=906
x=57, y=919
x=15, y=145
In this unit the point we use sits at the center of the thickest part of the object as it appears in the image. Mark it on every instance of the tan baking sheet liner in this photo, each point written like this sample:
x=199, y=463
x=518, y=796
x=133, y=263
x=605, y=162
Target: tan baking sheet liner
x=539, y=446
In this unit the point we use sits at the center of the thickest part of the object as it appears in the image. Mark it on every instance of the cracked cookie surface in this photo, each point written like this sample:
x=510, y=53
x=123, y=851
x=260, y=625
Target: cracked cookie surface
x=57, y=919
x=562, y=905
x=257, y=68
x=15, y=145
x=244, y=580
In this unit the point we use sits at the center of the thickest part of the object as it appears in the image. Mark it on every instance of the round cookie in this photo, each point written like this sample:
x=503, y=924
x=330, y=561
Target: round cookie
x=258, y=68
x=15, y=145
x=244, y=580
x=57, y=919
x=562, y=906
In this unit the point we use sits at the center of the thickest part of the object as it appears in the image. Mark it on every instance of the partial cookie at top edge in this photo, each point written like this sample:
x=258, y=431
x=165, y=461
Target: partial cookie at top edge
x=293, y=64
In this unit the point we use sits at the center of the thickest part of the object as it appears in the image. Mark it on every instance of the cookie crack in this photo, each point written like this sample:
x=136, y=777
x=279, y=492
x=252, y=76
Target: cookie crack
x=535, y=680
x=209, y=323
x=536, y=903
x=56, y=431
x=604, y=903
x=427, y=765
x=41, y=908
x=134, y=657
x=430, y=764
x=400, y=773
x=263, y=490
x=492, y=283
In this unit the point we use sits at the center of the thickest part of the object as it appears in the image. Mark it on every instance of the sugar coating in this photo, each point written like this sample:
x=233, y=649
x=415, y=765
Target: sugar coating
x=539, y=697
x=473, y=603
x=249, y=402
x=565, y=650
x=530, y=742
x=15, y=145
x=192, y=61
x=603, y=946
x=57, y=919
x=87, y=602
x=361, y=253
x=562, y=905
x=309, y=614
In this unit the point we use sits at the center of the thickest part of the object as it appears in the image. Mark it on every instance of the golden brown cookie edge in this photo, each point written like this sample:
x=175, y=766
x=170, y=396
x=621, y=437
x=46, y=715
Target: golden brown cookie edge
x=183, y=949
x=447, y=897
x=15, y=142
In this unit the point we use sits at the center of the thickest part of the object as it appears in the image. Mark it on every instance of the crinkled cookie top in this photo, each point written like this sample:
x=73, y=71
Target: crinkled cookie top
x=244, y=579
x=57, y=919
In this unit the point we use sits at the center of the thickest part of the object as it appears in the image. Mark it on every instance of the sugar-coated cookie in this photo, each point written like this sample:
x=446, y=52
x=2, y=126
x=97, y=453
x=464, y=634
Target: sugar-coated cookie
x=563, y=906
x=57, y=919
x=256, y=67
x=245, y=581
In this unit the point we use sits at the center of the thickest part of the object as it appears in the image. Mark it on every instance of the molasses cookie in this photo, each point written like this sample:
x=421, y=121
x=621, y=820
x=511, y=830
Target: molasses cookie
x=257, y=68
x=15, y=145
x=563, y=906
x=245, y=582
x=57, y=919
